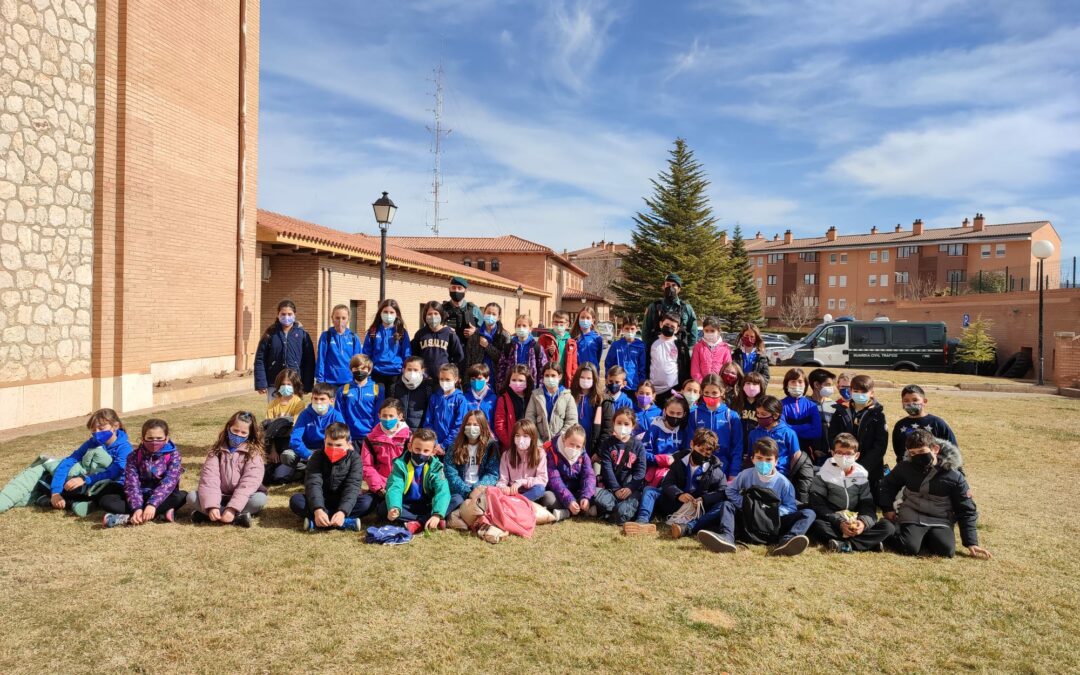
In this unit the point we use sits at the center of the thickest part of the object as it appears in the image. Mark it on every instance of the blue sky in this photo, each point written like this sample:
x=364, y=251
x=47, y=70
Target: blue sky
x=804, y=114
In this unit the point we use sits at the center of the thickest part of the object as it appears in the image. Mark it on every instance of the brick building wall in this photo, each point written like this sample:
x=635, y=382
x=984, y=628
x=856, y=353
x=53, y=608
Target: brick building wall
x=1066, y=369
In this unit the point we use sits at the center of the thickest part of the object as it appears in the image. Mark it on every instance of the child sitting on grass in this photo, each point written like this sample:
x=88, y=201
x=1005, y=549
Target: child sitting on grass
x=697, y=475
x=151, y=481
x=308, y=434
x=761, y=508
x=384, y=444
x=622, y=467
x=472, y=464
x=935, y=497
x=417, y=494
x=107, y=431
x=864, y=418
x=840, y=496
x=914, y=400
x=571, y=480
x=230, y=480
x=522, y=469
x=332, y=484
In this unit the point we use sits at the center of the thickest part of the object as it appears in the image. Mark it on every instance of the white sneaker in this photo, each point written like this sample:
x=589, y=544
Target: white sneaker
x=561, y=514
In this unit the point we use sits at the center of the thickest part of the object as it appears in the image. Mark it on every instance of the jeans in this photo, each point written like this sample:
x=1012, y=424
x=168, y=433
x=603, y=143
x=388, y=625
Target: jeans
x=290, y=469
x=608, y=505
x=791, y=525
x=708, y=520
x=654, y=502
x=419, y=510
x=455, y=502
x=533, y=494
x=255, y=503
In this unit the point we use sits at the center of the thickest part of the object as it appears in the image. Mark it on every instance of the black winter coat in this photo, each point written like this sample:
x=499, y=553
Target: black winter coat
x=333, y=486
x=711, y=486
x=872, y=434
x=414, y=400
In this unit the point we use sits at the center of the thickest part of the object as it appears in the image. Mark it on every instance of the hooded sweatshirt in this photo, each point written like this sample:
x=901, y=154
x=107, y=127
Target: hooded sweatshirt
x=151, y=477
x=570, y=481
x=335, y=353
x=119, y=450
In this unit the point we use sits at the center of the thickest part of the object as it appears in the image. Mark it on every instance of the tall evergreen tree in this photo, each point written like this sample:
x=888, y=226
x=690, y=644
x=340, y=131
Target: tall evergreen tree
x=677, y=233
x=747, y=305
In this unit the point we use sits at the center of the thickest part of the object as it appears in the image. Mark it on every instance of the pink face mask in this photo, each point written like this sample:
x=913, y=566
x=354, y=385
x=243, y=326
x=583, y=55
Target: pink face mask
x=517, y=387
x=752, y=390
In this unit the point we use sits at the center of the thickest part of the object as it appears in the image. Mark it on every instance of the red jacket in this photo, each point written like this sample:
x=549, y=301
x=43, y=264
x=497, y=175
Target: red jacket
x=378, y=452
x=551, y=348
x=505, y=419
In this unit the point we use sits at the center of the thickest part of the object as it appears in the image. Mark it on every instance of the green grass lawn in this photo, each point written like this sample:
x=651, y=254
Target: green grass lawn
x=577, y=597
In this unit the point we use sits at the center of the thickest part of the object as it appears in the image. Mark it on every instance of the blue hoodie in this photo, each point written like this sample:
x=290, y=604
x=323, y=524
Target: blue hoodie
x=645, y=418
x=804, y=417
x=777, y=484
x=728, y=427
x=630, y=356
x=485, y=405
x=335, y=353
x=589, y=347
x=784, y=436
x=387, y=354
x=309, y=430
x=359, y=406
x=119, y=450
x=660, y=439
x=444, y=415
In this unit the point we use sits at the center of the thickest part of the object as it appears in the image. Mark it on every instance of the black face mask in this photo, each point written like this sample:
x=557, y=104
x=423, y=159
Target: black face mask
x=671, y=292
x=457, y=296
x=922, y=461
x=360, y=375
x=667, y=331
x=418, y=459
x=701, y=459
x=672, y=421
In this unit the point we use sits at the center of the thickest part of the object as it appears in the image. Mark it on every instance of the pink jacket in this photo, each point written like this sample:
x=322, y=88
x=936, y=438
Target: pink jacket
x=513, y=513
x=522, y=476
x=706, y=359
x=229, y=474
x=379, y=452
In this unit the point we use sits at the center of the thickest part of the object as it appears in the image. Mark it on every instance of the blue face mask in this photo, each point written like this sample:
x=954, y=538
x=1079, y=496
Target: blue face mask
x=102, y=437
x=388, y=424
x=287, y=320
x=763, y=468
x=235, y=441
x=585, y=324
x=860, y=398
x=491, y=319
x=614, y=388
x=479, y=385
x=286, y=390
x=845, y=392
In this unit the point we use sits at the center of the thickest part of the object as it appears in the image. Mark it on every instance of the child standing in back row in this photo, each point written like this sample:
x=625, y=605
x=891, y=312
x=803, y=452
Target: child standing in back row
x=628, y=352
x=435, y=342
x=589, y=342
x=710, y=354
x=386, y=343
x=337, y=345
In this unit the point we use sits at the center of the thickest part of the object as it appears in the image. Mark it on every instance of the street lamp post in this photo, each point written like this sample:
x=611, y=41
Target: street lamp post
x=384, y=215
x=1042, y=250
x=519, y=291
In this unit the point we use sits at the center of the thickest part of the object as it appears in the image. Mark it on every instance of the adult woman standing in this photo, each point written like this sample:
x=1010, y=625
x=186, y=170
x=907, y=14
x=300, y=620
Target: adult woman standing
x=284, y=344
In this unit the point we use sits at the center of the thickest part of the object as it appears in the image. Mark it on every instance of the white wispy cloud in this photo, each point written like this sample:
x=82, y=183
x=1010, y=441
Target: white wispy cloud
x=577, y=35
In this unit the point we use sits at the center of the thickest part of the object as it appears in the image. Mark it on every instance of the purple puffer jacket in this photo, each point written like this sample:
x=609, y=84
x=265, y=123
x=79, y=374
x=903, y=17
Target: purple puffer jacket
x=151, y=477
x=569, y=482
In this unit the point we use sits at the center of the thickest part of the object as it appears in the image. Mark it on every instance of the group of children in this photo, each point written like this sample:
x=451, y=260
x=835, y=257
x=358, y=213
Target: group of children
x=392, y=429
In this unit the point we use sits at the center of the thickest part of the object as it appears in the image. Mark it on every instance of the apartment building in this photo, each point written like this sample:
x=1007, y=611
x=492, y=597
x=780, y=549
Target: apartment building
x=603, y=261
x=526, y=262
x=862, y=274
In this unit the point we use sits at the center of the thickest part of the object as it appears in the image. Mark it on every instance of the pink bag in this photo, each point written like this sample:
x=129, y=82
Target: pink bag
x=513, y=513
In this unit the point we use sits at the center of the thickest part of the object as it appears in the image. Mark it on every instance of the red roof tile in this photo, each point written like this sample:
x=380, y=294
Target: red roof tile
x=507, y=243
x=277, y=224
x=575, y=294
x=901, y=238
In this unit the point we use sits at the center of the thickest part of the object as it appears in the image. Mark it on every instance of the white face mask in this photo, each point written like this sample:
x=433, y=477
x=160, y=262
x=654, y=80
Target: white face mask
x=472, y=431
x=711, y=338
x=522, y=333
x=845, y=462
x=320, y=408
x=447, y=386
x=523, y=442
x=628, y=336
x=623, y=431
x=796, y=390
x=551, y=382
x=691, y=398
x=388, y=318
x=412, y=379
x=571, y=454
x=586, y=383
x=828, y=392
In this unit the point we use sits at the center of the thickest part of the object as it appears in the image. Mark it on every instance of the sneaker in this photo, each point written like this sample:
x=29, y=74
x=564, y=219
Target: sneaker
x=561, y=514
x=592, y=510
x=677, y=531
x=632, y=527
x=198, y=517
x=309, y=525
x=242, y=520
x=81, y=508
x=170, y=516
x=413, y=527
x=351, y=524
x=715, y=542
x=793, y=546
x=44, y=501
x=837, y=546
x=115, y=519
x=442, y=523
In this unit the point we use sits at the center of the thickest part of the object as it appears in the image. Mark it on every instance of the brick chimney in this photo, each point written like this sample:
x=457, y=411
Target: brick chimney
x=788, y=237
x=723, y=238
x=916, y=227
x=873, y=230
x=758, y=236
x=776, y=237
x=830, y=234
x=898, y=228
x=966, y=223
x=980, y=222
x=611, y=246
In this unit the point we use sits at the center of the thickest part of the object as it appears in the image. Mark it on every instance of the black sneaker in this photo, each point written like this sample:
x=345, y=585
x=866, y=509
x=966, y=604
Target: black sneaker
x=243, y=520
x=793, y=546
x=715, y=542
x=837, y=546
x=198, y=517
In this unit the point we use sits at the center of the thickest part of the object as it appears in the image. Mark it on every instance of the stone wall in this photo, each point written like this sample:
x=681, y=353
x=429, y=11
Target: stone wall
x=47, y=111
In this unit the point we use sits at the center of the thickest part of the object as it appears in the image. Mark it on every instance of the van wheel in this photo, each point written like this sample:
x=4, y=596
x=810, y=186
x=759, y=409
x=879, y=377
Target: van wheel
x=905, y=366
x=812, y=364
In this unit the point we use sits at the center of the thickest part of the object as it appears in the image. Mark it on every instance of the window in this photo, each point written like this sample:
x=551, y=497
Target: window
x=809, y=279
x=873, y=256
x=868, y=336
x=909, y=336
x=480, y=264
x=903, y=277
x=956, y=275
x=841, y=303
x=832, y=336
x=884, y=281
x=775, y=258
x=906, y=251
x=467, y=262
x=495, y=264
x=883, y=299
x=953, y=249
x=770, y=301
x=873, y=280
x=771, y=280
x=832, y=303
x=884, y=256
x=870, y=301
x=810, y=301
x=811, y=256
x=832, y=258
x=760, y=261
x=843, y=281
x=843, y=258
x=832, y=281
x=985, y=252
x=759, y=282
x=1001, y=250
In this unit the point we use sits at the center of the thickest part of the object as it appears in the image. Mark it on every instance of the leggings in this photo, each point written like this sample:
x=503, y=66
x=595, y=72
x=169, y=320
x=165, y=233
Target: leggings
x=114, y=503
x=913, y=538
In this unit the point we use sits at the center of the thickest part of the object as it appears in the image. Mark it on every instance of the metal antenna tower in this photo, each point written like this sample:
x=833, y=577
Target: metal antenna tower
x=436, y=148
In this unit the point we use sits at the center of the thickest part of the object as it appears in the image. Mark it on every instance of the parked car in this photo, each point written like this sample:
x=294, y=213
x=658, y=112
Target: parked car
x=899, y=345
x=606, y=329
x=776, y=337
x=773, y=349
